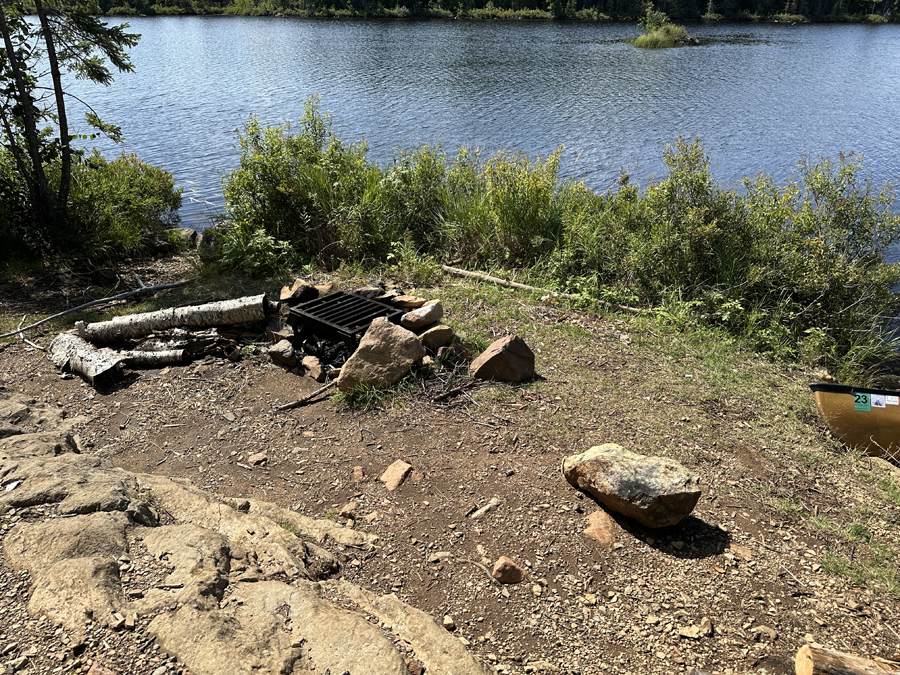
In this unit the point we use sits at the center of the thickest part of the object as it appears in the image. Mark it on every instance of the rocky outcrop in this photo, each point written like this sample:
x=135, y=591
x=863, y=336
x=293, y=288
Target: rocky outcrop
x=655, y=491
x=508, y=360
x=236, y=589
x=385, y=354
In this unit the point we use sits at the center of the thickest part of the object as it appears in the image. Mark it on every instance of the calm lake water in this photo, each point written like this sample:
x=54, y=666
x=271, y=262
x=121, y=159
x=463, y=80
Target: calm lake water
x=760, y=97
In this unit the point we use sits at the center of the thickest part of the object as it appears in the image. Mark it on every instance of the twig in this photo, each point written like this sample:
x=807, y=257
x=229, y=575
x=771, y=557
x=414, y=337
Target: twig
x=306, y=399
x=120, y=296
x=515, y=284
x=486, y=570
x=474, y=421
x=453, y=392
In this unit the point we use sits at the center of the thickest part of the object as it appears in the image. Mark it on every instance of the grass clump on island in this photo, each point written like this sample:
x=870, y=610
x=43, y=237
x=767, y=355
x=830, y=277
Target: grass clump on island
x=658, y=32
x=792, y=271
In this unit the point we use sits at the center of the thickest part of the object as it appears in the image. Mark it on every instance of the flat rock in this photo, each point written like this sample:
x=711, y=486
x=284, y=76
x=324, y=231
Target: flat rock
x=436, y=336
x=655, y=491
x=385, y=354
x=407, y=301
x=602, y=528
x=423, y=316
x=282, y=353
x=508, y=360
x=506, y=571
x=395, y=474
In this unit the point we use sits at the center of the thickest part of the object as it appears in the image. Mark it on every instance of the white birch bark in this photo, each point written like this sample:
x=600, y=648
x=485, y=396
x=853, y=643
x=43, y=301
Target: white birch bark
x=222, y=313
x=99, y=366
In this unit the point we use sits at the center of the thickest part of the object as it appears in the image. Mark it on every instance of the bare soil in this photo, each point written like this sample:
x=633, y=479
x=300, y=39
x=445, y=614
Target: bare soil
x=778, y=494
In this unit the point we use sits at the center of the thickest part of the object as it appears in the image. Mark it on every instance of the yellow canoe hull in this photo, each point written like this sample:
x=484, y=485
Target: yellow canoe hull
x=865, y=419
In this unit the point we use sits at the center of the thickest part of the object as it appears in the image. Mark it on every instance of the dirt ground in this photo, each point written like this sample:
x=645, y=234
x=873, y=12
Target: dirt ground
x=745, y=559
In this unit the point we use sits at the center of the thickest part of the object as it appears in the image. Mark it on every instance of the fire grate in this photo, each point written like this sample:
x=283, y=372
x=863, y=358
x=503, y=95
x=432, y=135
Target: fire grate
x=342, y=315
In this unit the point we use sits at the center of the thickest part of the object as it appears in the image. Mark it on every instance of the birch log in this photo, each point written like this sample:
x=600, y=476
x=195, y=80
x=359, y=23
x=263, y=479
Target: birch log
x=222, y=313
x=819, y=661
x=153, y=359
x=99, y=366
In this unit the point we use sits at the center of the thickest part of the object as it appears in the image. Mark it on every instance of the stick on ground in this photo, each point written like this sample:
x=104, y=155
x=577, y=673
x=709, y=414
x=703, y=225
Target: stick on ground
x=306, y=399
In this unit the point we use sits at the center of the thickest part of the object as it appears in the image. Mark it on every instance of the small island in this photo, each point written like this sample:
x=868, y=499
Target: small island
x=658, y=32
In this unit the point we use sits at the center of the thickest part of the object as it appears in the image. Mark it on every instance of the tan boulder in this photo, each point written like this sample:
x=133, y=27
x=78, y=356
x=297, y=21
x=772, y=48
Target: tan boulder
x=385, y=354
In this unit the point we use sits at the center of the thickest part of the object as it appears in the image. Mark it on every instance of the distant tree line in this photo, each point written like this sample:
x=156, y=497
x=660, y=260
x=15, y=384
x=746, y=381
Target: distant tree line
x=792, y=11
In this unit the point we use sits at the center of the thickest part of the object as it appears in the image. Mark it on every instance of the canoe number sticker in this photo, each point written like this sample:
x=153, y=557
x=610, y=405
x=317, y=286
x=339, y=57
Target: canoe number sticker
x=892, y=400
x=862, y=401
x=878, y=400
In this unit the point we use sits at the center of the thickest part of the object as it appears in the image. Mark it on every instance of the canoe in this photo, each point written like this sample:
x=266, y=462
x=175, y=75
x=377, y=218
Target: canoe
x=866, y=419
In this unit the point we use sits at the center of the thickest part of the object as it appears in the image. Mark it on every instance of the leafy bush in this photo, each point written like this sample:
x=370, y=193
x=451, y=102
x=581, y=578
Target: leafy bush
x=118, y=206
x=795, y=269
x=115, y=209
x=657, y=32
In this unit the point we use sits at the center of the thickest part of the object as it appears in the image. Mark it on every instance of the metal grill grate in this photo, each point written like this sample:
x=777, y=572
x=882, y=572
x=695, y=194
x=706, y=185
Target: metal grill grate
x=342, y=315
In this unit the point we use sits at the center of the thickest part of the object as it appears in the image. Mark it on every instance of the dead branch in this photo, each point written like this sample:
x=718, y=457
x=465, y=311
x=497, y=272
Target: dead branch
x=93, y=303
x=515, y=284
x=453, y=392
x=306, y=399
x=222, y=313
x=153, y=359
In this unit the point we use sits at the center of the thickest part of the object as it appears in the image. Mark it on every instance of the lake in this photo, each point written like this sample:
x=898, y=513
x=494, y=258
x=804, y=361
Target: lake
x=761, y=97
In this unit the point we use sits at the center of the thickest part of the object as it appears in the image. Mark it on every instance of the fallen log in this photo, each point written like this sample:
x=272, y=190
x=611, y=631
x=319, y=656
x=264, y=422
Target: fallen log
x=515, y=284
x=99, y=366
x=222, y=313
x=820, y=661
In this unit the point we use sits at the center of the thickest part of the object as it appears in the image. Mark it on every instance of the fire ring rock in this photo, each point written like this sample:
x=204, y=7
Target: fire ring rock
x=385, y=354
x=655, y=491
x=508, y=359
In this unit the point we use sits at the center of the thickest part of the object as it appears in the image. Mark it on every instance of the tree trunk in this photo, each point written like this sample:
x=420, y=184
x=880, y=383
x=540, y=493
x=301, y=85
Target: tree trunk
x=818, y=661
x=99, y=366
x=223, y=313
x=40, y=192
x=65, y=179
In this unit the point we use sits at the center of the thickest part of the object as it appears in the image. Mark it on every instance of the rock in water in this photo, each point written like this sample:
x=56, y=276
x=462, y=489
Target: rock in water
x=508, y=359
x=385, y=354
x=655, y=491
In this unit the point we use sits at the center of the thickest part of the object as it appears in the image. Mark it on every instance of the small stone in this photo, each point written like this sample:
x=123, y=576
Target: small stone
x=348, y=511
x=134, y=593
x=257, y=459
x=314, y=368
x=358, y=474
x=372, y=517
x=490, y=506
x=395, y=474
x=299, y=292
x=508, y=360
x=449, y=623
x=98, y=669
x=506, y=571
x=436, y=336
x=440, y=556
x=424, y=316
x=536, y=589
x=16, y=664
x=407, y=301
x=282, y=353
x=765, y=632
x=652, y=620
x=602, y=528
x=117, y=621
x=161, y=670
x=131, y=621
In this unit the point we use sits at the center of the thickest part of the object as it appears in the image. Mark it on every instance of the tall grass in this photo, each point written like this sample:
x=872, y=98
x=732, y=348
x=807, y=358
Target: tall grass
x=794, y=269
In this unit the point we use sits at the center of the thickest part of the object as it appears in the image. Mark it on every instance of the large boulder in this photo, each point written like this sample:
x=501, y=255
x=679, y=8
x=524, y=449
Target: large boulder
x=655, y=491
x=385, y=354
x=508, y=359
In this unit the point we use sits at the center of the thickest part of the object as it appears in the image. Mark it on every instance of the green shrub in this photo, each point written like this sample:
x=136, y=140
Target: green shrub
x=118, y=206
x=789, y=18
